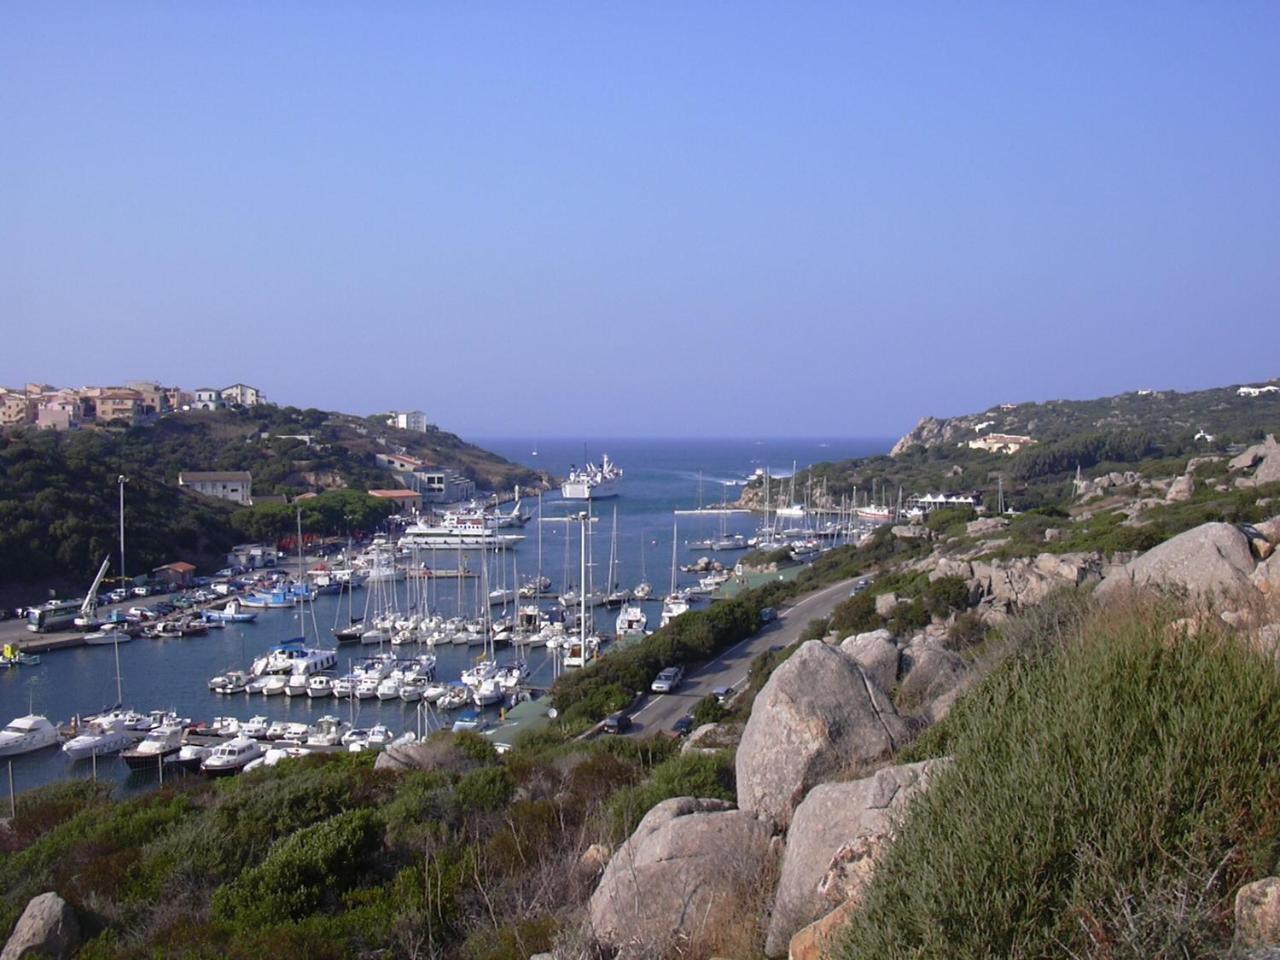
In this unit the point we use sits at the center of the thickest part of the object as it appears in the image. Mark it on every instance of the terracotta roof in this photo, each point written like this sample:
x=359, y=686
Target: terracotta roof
x=180, y=566
x=394, y=494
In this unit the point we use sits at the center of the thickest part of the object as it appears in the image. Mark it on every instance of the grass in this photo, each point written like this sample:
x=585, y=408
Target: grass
x=1114, y=783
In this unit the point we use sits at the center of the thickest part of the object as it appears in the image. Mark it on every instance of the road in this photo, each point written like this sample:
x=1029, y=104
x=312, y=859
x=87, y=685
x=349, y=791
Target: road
x=657, y=712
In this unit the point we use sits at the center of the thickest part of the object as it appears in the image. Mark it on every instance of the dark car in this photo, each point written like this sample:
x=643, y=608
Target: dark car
x=619, y=722
x=683, y=726
x=768, y=615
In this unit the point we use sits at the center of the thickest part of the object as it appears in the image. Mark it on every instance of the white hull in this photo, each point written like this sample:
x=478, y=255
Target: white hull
x=581, y=490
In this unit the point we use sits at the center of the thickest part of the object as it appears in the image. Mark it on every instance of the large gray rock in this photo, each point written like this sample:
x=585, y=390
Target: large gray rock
x=1268, y=470
x=817, y=716
x=934, y=679
x=1211, y=559
x=1253, y=454
x=1266, y=577
x=1182, y=489
x=836, y=836
x=47, y=928
x=685, y=869
x=985, y=525
x=877, y=654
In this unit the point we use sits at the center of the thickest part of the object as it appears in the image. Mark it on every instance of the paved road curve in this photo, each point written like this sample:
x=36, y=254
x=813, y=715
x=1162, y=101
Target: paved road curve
x=657, y=712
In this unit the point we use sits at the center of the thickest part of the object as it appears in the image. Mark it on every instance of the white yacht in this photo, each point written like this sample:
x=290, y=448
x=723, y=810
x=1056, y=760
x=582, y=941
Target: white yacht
x=319, y=686
x=104, y=735
x=189, y=756
x=631, y=621
x=458, y=530
x=675, y=605
x=25, y=734
x=231, y=757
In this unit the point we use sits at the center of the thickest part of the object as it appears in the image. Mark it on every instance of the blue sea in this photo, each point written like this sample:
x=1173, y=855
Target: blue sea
x=660, y=476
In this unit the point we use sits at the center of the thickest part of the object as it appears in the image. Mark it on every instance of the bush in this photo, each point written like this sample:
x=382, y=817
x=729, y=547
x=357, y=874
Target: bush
x=301, y=873
x=684, y=775
x=856, y=615
x=1108, y=795
x=908, y=618
x=946, y=594
x=483, y=790
x=708, y=710
x=815, y=629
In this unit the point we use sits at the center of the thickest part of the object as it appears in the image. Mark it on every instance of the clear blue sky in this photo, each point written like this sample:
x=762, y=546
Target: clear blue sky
x=651, y=218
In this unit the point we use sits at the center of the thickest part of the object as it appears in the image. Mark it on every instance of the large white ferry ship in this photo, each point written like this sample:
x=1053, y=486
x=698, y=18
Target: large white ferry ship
x=593, y=482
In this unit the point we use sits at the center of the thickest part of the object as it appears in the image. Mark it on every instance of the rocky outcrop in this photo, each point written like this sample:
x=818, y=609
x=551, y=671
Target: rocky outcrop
x=1254, y=454
x=836, y=837
x=815, y=942
x=1009, y=585
x=1182, y=489
x=1258, y=914
x=684, y=870
x=877, y=654
x=1211, y=559
x=818, y=715
x=886, y=603
x=1266, y=576
x=47, y=928
x=985, y=525
x=935, y=678
x=911, y=531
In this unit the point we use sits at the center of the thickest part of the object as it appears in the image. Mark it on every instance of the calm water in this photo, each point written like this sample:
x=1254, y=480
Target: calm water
x=660, y=476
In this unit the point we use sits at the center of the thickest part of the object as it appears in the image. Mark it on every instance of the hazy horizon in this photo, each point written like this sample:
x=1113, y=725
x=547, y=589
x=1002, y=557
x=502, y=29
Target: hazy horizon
x=652, y=220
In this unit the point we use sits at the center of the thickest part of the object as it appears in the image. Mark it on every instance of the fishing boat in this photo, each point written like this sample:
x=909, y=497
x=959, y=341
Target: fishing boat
x=231, y=613
x=11, y=656
x=156, y=746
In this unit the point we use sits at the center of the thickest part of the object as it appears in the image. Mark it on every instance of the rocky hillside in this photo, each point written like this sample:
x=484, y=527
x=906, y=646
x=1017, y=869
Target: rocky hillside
x=1222, y=412
x=1145, y=431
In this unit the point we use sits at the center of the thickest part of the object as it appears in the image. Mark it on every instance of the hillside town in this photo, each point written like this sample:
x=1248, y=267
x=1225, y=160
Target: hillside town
x=137, y=401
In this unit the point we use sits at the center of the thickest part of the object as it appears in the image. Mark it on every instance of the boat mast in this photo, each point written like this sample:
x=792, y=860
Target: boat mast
x=675, y=535
x=582, y=589
x=122, y=480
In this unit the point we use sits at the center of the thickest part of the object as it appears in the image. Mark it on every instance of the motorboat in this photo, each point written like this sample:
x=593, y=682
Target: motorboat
x=103, y=736
x=255, y=727
x=319, y=686
x=233, y=681
x=231, y=613
x=675, y=605
x=160, y=743
x=643, y=590
x=631, y=621
x=470, y=721
x=231, y=757
x=297, y=685
x=343, y=687
x=189, y=756
x=25, y=734
x=328, y=732
x=275, y=685
x=108, y=633
x=367, y=688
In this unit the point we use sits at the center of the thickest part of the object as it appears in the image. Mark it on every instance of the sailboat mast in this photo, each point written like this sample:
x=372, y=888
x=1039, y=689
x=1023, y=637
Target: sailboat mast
x=582, y=585
x=675, y=535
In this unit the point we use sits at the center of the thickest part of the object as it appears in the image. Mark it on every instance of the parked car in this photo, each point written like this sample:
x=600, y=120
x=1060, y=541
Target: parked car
x=667, y=680
x=619, y=722
x=143, y=591
x=683, y=726
x=768, y=615
x=118, y=595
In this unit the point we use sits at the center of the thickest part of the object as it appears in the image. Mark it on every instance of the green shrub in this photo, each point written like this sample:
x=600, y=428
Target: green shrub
x=684, y=775
x=301, y=873
x=1108, y=795
x=708, y=710
x=483, y=790
x=908, y=618
x=815, y=629
x=946, y=594
x=856, y=615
